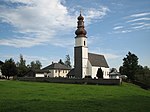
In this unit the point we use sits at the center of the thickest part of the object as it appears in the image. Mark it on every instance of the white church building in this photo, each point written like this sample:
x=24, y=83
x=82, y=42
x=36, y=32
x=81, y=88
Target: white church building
x=85, y=63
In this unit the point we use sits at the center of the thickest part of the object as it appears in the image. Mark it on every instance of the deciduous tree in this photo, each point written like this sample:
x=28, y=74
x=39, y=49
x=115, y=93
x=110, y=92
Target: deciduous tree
x=9, y=68
x=35, y=65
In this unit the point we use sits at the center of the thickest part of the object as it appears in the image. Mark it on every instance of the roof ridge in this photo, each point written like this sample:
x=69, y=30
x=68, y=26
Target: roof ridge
x=96, y=54
x=56, y=66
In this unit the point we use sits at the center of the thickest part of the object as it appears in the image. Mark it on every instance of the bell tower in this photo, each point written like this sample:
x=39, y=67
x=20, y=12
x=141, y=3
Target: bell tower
x=80, y=49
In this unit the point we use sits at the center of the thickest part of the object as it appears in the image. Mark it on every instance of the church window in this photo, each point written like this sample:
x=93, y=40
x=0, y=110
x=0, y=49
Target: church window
x=55, y=71
x=84, y=43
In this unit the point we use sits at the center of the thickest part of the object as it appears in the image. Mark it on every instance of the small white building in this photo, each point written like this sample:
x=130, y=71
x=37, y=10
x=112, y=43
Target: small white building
x=114, y=75
x=0, y=73
x=54, y=70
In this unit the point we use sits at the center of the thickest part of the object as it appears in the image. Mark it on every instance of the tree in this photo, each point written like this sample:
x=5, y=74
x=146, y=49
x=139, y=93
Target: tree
x=130, y=66
x=1, y=63
x=99, y=73
x=9, y=68
x=21, y=66
x=61, y=62
x=35, y=65
x=143, y=75
x=67, y=61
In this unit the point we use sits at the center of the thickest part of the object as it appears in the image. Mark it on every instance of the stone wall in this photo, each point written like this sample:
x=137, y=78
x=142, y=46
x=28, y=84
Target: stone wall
x=72, y=81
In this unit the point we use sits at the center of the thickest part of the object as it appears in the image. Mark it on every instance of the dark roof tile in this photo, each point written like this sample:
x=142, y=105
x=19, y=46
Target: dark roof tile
x=97, y=60
x=56, y=66
x=71, y=72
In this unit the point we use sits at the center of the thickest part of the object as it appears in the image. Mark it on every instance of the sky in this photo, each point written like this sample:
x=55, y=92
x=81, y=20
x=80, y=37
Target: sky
x=44, y=29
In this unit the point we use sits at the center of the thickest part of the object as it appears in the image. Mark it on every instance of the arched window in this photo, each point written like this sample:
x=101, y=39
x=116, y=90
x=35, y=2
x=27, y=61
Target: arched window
x=84, y=43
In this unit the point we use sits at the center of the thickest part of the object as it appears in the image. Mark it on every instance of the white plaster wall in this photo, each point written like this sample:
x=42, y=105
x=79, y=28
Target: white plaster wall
x=53, y=73
x=84, y=61
x=79, y=41
x=60, y=73
x=84, y=52
x=105, y=72
x=39, y=75
x=63, y=73
x=89, y=68
x=94, y=71
x=0, y=73
x=114, y=77
x=50, y=74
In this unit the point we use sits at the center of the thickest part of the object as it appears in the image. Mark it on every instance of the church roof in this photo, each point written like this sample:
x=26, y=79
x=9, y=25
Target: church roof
x=56, y=66
x=97, y=60
x=80, y=32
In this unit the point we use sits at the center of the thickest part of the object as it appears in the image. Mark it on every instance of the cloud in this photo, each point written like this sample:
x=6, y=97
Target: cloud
x=45, y=61
x=139, y=19
x=24, y=41
x=142, y=26
x=117, y=27
x=40, y=22
x=139, y=23
x=96, y=13
x=140, y=14
x=111, y=56
x=134, y=22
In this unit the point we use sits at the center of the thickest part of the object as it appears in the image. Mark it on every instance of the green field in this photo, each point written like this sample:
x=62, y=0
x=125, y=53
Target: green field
x=17, y=96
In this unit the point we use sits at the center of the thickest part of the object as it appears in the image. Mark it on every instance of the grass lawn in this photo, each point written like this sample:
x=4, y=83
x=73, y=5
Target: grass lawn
x=17, y=96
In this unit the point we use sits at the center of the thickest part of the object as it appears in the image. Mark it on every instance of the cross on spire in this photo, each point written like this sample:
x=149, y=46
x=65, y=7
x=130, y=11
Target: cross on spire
x=80, y=11
x=80, y=32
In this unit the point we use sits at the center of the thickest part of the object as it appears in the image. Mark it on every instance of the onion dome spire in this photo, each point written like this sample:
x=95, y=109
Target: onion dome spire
x=80, y=32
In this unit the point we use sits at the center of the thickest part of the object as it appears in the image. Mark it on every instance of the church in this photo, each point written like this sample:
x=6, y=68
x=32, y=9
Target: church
x=86, y=64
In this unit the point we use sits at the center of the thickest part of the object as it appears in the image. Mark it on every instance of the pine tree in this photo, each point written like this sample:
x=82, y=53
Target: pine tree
x=130, y=66
x=21, y=65
x=61, y=62
x=99, y=73
x=67, y=61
